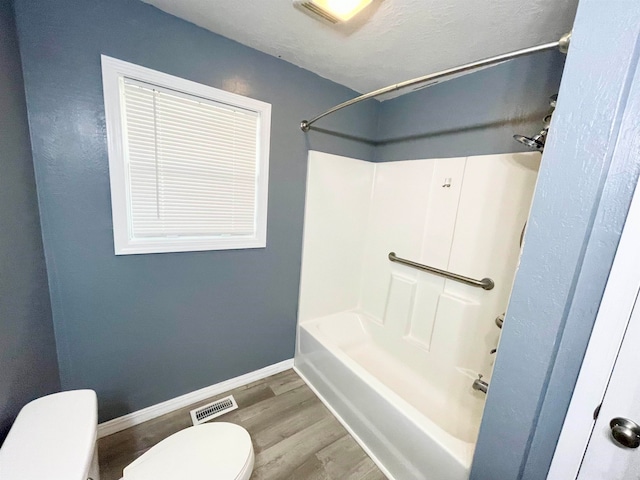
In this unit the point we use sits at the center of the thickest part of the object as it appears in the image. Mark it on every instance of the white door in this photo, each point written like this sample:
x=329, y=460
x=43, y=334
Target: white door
x=613, y=451
x=609, y=378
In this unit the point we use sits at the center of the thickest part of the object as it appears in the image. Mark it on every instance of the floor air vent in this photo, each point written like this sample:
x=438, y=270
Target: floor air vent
x=213, y=410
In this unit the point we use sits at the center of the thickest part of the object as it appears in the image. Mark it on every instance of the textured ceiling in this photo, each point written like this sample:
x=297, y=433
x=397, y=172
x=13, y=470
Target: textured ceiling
x=391, y=41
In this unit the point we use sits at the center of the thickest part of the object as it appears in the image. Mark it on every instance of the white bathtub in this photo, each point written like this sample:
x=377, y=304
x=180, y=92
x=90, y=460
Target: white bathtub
x=392, y=350
x=403, y=422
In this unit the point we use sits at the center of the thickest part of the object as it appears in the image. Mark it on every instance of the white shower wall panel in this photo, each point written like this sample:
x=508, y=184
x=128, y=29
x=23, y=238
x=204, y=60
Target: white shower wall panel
x=413, y=213
x=336, y=214
x=493, y=209
x=463, y=215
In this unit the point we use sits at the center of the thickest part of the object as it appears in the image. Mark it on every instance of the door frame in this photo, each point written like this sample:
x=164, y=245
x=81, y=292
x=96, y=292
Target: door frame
x=602, y=351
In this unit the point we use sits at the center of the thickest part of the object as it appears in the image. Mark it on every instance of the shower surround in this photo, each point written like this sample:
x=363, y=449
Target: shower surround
x=392, y=350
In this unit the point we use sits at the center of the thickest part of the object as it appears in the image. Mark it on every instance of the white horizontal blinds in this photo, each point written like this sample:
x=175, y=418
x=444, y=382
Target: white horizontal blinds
x=192, y=164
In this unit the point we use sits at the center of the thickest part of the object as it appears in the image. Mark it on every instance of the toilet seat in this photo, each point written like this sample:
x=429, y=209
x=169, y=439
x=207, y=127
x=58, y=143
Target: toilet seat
x=216, y=451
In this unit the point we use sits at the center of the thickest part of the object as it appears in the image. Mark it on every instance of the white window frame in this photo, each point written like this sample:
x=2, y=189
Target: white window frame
x=114, y=72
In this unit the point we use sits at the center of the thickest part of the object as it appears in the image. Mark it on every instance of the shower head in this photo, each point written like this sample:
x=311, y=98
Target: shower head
x=529, y=142
x=536, y=142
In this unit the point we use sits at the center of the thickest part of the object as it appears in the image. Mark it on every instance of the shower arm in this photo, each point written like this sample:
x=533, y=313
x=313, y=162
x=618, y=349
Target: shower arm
x=443, y=76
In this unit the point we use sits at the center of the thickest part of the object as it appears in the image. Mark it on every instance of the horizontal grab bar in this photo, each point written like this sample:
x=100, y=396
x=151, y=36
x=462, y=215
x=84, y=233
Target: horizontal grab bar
x=485, y=283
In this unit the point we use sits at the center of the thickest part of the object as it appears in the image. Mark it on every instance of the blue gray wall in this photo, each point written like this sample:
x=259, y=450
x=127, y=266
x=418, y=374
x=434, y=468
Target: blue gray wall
x=477, y=114
x=28, y=364
x=589, y=171
x=141, y=329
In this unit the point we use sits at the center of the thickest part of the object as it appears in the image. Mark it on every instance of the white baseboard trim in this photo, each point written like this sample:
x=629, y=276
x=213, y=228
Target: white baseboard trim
x=140, y=416
x=355, y=436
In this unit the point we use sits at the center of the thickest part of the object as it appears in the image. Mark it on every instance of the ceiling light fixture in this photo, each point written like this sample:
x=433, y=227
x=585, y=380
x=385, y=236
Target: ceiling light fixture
x=333, y=11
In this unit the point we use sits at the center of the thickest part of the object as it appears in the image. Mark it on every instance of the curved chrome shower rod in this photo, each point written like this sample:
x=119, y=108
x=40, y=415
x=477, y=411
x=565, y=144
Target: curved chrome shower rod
x=444, y=75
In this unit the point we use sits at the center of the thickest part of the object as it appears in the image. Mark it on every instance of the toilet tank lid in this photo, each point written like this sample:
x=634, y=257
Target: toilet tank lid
x=52, y=437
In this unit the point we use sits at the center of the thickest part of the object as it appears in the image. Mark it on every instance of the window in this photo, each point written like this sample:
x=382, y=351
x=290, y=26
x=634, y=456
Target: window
x=188, y=163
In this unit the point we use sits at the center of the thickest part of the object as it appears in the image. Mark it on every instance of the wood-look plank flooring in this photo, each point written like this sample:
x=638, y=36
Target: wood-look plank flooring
x=294, y=436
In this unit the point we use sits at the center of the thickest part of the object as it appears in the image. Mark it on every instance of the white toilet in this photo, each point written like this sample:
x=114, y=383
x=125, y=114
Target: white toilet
x=54, y=438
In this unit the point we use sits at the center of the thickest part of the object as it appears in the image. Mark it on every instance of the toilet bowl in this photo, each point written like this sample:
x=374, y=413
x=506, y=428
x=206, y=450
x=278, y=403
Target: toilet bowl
x=54, y=437
x=215, y=451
